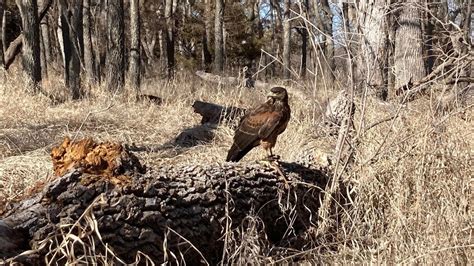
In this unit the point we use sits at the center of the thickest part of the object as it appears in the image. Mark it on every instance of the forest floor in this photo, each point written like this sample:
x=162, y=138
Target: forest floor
x=412, y=176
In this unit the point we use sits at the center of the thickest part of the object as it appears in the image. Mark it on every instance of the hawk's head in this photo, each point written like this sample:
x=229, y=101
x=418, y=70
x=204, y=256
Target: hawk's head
x=278, y=94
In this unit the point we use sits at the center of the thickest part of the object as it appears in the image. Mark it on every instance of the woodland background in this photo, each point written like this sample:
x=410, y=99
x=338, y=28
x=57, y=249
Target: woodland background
x=381, y=96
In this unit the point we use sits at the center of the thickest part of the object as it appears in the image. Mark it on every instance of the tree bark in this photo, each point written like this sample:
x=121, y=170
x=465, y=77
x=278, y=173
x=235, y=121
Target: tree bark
x=304, y=48
x=2, y=60
x=134, y=71
x=72, y=42
x=89, y=55
x=44, y=63
x=373, y=34
x=169, y=37
x=324, y=19
x=46, y=43
x=115, y=59
x=15, y=46
x=31, y=40
x=197, y=202
x=219, y=37
x=4, y=34
x=409, y=64
x=286, y=40
x=206, y=37
x=149, y=44
x=100, y=39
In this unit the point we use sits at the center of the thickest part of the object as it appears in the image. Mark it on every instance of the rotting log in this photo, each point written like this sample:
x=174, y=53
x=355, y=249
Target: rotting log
x=214, y=114
x=189, y=200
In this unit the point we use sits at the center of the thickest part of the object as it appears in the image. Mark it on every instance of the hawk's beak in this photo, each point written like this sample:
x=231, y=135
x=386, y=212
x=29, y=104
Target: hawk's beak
x=271, y=94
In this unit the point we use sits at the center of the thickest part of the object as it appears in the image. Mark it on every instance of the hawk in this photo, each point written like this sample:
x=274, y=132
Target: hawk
x=261, y=126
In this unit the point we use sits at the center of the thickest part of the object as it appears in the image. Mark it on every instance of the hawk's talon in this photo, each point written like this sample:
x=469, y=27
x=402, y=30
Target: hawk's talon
x=271, y=163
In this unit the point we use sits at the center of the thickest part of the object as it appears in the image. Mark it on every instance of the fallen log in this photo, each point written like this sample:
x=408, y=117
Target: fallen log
x=214, y=114
x=159, y=213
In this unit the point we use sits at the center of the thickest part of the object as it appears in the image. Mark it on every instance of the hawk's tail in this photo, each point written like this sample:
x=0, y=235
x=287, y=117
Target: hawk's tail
x=235, y=153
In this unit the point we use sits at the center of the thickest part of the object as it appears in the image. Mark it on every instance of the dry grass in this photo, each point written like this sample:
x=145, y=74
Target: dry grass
x=411, y=182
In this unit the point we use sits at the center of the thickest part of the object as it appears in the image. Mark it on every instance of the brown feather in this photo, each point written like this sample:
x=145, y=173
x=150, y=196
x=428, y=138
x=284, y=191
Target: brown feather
x=264, y=123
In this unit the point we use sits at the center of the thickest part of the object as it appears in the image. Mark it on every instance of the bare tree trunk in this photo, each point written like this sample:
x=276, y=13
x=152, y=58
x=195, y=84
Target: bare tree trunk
x=206, y=37
x=115, y=59
x=219, y=37
x=373, y=45
x=275, y=14
x=169, y=36
x=99, y=39
x=304, y=48
x=2, y=60
x=31, y=40
x=71, y=39
x=134, y=70
x=286, y=40
x=324, y=19
x=4, y=34
x=46, y=40
x=409, y=64
x=149, y=43
x=89, y=55
x=15, y=46
x=162, y=46
x=466, y=26
x=44, y=62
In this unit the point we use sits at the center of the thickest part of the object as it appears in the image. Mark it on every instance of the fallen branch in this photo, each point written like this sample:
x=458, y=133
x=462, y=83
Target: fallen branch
x=214, y=114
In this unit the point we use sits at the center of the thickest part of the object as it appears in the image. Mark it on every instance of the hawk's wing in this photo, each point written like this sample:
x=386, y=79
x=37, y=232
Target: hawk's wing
x=256, y=125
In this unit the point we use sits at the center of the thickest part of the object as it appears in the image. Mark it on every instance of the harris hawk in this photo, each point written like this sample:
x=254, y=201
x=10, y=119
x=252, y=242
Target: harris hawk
x=261, y=126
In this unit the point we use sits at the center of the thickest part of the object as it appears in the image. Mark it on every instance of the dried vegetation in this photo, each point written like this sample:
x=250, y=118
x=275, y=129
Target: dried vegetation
x=409, y=189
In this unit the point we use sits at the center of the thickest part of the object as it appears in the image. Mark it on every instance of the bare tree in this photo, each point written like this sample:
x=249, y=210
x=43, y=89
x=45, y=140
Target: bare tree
x=115, y=59
x=134, y=70
x=373, y=32
x=219, y=37
x=44, y=63
x=99, y=38
x=46, y=43
x=70, y=23
x=286, y=40
x=409, y=64
x=206, y=37
x=3, y=36
x=275, y=46
x=169, y=36
x=2, y=60
x=89, y=55
x=324, y=17
x=303, y=31
x=31, y=39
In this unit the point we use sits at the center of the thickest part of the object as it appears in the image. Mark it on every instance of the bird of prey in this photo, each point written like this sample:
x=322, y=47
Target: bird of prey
x=261, y=126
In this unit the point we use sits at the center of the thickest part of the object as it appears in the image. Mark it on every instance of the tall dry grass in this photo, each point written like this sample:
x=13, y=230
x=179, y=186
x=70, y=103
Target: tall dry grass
x=410, y=183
